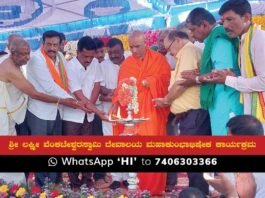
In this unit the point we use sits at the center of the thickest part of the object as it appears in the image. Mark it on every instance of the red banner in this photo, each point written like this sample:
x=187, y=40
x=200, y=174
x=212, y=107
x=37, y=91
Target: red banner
x=132, y=145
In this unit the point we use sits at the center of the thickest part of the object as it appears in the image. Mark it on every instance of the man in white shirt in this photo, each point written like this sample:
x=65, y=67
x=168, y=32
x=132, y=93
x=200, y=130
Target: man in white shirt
x=63, y=42
x=46, y=71
x=14, y=89
x=100, y=51
x=100, y=56
x=110, y=69
x=84, y=84
x=236, y=18
x=241, y=184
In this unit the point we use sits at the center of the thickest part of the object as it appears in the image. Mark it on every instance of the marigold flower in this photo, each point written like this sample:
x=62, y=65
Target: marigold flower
x=43, y=195
x=122, y=196
x=21, y=192
x=60, y=196
x=260, y=20
x=3, y=188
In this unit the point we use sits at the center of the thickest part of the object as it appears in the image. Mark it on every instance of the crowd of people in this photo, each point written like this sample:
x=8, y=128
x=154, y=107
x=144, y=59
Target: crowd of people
x=183, y=88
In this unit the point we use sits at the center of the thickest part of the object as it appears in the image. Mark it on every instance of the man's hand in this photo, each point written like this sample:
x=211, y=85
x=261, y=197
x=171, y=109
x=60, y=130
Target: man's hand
x=70, y=102
x=160, y=102
x=223, y=185
x=218, y=76
x=189, y=77
x=107, y=98
x=113, y=109
x=90, y=107
x=191, y=72
x=246, y=185
x=103, y=116
x=214, y=194
x=112, y=92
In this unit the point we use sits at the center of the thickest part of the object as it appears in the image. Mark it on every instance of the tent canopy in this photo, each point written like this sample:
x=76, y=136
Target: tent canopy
x=76, y=18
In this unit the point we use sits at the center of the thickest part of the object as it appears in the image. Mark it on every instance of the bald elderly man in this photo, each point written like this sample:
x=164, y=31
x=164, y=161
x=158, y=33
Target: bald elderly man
x=152, y=72
x=14, y=89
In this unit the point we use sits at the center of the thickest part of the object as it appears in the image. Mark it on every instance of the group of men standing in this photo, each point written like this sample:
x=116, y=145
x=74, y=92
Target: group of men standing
x=206, y=88
x=229, y=76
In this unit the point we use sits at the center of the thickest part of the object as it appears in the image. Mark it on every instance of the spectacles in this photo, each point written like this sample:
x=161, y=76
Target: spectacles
x=168, y=48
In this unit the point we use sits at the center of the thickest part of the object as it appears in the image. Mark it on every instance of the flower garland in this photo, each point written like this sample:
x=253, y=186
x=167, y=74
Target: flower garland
x=128, y=94
x=260, y=20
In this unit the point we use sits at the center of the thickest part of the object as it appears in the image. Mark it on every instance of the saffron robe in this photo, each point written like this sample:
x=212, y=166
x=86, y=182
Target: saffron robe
x=156, y=70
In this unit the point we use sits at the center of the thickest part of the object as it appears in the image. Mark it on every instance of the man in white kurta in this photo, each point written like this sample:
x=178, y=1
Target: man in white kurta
x=13, y=101
x=81, y=79
x=110, y=76
x=84, y=84
x=254, y=84
x=46, y=72
x=252, y=46
x=110, y=69
x=45, y=118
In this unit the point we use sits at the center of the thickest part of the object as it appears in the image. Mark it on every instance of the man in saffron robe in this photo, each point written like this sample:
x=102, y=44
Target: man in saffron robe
x=152, y=72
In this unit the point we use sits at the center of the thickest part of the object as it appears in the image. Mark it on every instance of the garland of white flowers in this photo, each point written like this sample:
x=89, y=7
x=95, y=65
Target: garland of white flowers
x=134, y=95
x=134, y=103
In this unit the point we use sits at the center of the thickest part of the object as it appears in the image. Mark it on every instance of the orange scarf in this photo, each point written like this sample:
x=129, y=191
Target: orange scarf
x=60, y=78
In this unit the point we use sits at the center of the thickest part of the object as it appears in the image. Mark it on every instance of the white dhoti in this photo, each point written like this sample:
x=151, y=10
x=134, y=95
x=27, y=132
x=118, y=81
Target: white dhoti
x=13, y=106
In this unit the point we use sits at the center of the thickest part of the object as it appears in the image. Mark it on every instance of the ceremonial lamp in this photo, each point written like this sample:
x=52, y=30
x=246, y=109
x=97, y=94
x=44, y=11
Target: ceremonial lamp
x=127, y=97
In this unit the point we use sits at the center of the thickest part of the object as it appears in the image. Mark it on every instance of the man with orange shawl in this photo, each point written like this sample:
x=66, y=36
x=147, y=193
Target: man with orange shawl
x=153, y=74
